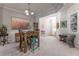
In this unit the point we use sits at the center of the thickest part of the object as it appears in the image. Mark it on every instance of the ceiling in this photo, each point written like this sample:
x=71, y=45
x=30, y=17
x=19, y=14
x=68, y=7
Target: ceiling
x=40, y=9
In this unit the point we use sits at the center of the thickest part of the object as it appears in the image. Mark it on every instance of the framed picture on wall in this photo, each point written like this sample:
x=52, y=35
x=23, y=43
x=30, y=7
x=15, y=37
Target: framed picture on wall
x=73, y=22
x=21, y=23
x=63, y=24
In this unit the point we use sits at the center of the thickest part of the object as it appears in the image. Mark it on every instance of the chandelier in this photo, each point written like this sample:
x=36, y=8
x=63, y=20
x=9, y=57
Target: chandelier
x=29, y=11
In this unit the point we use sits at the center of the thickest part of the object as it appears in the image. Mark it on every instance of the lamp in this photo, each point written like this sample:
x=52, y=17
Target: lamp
x=28, y=11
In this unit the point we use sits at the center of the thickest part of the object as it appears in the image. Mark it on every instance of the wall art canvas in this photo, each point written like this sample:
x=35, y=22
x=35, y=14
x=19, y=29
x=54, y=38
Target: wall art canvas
x=63, y=24
x=20, y=23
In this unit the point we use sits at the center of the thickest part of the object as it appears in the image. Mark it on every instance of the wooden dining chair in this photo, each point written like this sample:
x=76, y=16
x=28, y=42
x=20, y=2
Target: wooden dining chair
x=23, y=42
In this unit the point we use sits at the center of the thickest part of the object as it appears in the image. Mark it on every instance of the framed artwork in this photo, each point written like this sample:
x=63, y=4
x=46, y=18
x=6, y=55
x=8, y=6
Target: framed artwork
x=63, y=24
x=17, y=23
x=73, y=23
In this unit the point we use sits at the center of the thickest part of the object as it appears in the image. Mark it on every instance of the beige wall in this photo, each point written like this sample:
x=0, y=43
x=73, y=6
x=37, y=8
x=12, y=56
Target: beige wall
x=6, y=15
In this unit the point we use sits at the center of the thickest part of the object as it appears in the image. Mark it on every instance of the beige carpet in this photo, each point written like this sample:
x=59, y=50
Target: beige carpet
x=49, y=46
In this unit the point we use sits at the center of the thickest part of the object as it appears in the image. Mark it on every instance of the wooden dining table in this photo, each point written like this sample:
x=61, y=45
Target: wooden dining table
x=25, y=40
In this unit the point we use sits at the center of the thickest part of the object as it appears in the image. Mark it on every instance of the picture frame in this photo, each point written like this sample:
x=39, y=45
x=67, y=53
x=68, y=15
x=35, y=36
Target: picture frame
x=19, y=23
x=63, y=24
x=73, y=22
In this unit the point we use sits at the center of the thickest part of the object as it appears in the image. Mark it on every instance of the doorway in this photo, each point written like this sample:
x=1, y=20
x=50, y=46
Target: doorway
x=52, y=23
x=48, y=25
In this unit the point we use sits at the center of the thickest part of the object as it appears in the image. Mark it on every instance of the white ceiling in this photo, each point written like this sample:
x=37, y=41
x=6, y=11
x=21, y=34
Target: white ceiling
x=39, y=8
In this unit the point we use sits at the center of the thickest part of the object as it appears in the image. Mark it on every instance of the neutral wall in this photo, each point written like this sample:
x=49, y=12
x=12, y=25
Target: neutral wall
x=0, y=16
x=66, y=11
x=7, y=14
x=45, y=24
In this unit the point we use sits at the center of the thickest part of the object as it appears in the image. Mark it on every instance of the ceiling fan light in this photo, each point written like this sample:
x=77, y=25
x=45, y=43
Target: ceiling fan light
x=32, y=13
x=26, y=11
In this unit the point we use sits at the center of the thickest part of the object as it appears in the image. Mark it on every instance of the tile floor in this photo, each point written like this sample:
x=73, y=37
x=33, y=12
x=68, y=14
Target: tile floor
x=49, y=46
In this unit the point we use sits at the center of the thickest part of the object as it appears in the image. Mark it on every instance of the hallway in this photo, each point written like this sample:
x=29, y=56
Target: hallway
x=49, y=46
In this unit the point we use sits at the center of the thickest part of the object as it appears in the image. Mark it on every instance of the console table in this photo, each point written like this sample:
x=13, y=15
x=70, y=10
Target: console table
x=69, y=39
x=63, y=38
